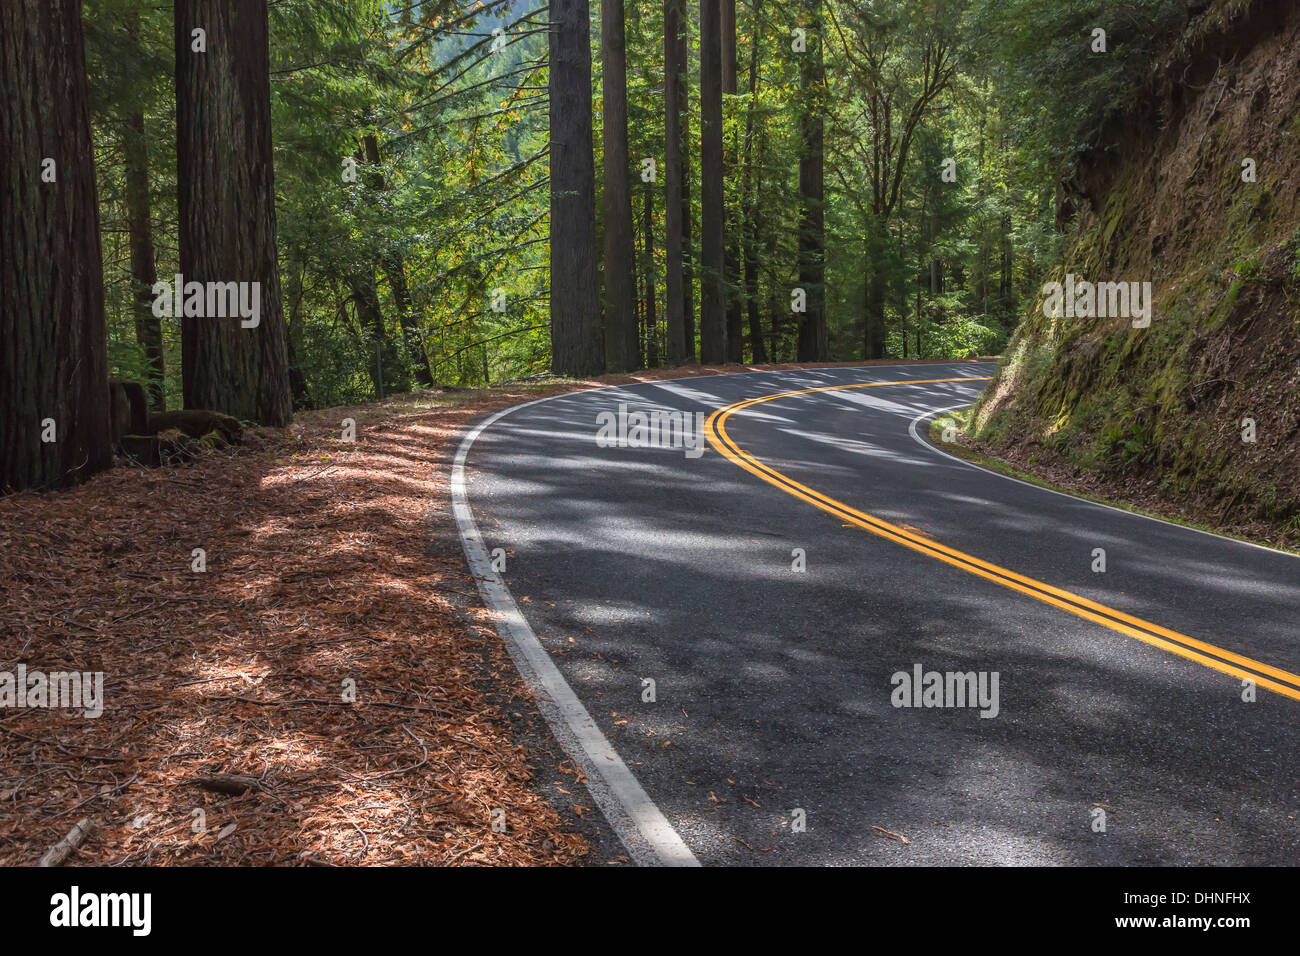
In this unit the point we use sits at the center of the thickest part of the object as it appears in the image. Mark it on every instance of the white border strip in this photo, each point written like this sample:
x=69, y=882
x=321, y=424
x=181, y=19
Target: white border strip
x=644, y=830
x=1052, y=491
x=649, y=837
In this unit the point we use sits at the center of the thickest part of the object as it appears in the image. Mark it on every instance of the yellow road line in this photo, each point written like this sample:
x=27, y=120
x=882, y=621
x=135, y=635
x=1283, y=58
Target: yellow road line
x=1209, y=655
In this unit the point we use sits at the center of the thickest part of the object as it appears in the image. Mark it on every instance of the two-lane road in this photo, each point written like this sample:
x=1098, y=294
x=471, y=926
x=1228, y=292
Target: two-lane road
x=1119, y=693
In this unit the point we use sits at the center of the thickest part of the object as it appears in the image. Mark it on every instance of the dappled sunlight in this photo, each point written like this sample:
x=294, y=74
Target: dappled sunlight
x=323, y=653
x=614, y=570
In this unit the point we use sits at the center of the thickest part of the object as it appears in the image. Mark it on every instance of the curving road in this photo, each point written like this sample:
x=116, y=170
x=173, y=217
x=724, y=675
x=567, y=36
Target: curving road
x=1119, y=696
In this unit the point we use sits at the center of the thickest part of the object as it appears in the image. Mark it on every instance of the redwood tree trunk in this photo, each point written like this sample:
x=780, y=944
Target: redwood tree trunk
x=713, y=302
x=576, y=345
x=227, y=209
x=648, y=270
x=734, y=286
x=812, y=220
x=688, y=211
x=53, y=362
x=750, y=201
x=675, y=304
x=622, y=353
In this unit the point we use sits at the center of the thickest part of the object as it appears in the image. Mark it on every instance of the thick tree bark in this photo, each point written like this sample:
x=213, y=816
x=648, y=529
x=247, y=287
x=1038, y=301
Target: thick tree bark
x=674, y=68
x=727, y=27
x=778, y=291
x=713, y=303
x=622, y=353
x=812, y=220
x=227, y=209
x=648, y=270
x=688, y=210
x=53, y=363
x=750, y=198
x=144, y=270
x=731, y=258
x=576, y=344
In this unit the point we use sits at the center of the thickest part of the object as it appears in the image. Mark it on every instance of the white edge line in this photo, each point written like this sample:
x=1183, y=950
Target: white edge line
x=646, y=833
x=644, y=830
x=1052, y=491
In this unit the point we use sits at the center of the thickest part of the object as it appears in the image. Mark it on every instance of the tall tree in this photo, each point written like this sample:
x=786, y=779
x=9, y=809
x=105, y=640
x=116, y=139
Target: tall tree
x=576, y=345
x=731, y=257
x=302, y=397
x=812, y=345
x=139, y=227
x=407, y=319
x=144, y=269
x=227, y=207
x=621, y=351
x=713, y=304
x=750, y=197
x=648, y=271
x=688, y=209
x=390, y=258
x=674, y=74
x=877, y=49
x=387, y=369
x=54, y=423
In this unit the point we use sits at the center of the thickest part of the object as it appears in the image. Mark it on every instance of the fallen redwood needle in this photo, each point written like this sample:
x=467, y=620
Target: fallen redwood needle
x=891, y=834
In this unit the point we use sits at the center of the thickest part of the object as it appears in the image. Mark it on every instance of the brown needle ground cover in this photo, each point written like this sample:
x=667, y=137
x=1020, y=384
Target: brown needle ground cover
x=320, y=571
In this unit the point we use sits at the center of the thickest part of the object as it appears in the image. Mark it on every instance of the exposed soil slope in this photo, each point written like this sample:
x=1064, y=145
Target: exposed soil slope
x=1157, y=412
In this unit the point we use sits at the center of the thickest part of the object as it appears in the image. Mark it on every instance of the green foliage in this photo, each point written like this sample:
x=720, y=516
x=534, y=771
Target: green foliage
x=1127, y=441
x=442, y=106
x=962, y=337
x=1064, y=91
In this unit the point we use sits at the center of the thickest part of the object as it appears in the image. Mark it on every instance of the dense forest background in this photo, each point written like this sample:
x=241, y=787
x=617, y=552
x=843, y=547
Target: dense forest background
x=465, y=193
x=945, y=130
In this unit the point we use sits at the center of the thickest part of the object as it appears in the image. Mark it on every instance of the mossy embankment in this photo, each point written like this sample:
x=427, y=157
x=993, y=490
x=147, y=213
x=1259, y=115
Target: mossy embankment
x=1159, y=413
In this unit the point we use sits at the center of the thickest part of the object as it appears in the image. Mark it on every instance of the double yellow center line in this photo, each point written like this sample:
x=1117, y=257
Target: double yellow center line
x=1217, y=658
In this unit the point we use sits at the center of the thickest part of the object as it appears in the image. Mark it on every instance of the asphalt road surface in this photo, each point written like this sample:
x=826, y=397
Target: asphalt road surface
x=1119, y=734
